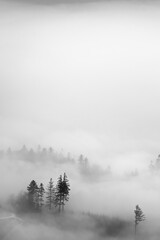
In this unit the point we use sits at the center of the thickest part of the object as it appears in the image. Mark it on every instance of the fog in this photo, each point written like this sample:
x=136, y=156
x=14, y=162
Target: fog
x=100, y=190
x=84, y=79
x=101, y=203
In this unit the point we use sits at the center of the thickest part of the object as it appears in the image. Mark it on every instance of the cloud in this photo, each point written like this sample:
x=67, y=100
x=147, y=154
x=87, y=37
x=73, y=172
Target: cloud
x=55, y=2
x=67, y=226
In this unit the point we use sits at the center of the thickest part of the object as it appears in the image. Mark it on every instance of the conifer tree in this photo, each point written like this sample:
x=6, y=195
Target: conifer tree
x=139, y=217
x=50, y=192
x=32, y=195
x=81, y=159
x=59, y=193
x=41, y=195
x=66, y=189
x=62, y=192
x=36, y=199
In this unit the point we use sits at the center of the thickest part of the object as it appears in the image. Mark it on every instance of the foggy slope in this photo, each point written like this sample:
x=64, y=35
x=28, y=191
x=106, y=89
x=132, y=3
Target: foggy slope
x=66, y=226
x=93, y=188
x=74, y=225
x=107, y=199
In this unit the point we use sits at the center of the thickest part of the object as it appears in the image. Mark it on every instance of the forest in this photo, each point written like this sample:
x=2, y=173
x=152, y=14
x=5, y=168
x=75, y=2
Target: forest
x=56, y=188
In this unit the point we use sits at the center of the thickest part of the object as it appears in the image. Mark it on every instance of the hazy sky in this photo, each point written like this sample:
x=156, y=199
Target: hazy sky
x=81, y=77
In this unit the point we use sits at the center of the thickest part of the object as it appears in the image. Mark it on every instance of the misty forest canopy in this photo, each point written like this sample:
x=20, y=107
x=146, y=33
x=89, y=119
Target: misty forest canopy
x=52, y=198
x=39, y=198
x=56, y=196
x=43, y=155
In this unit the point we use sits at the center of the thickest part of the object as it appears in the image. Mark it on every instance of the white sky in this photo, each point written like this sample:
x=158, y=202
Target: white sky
x=82, y=78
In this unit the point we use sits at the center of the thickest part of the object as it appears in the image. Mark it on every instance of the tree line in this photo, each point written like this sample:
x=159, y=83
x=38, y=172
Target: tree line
x=42, y=155
x=54, y=197
x=39, y=154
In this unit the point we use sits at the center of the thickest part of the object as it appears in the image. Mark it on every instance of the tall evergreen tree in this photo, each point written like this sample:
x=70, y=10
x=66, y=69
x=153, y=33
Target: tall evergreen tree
x=62, y=192
x=66, y=189
x=32, y=195
x=139, y=217
x=50, y=192
x=36, y=199
x=59, y=193
x=41, y=195
x=81, y=159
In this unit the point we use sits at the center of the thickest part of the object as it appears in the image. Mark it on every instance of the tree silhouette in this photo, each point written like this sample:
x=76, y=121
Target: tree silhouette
x=62, y=192
x=41, y=195
x=59, y=193
x=66, y=189
x=81, y=159
x=50, y=192
x=33, y=195
x=139, y=217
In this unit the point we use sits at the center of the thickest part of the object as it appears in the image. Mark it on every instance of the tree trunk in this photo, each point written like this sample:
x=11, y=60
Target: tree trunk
x=135, y=231
x=63, y=204
x=60, y=203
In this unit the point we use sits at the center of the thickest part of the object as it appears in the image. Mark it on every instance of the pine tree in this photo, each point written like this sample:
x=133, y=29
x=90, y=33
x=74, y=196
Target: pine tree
x=139, y=217
x=41, y=195
x=59, y=193
x=36, y=199
x=50, y=192
x=32, y=195
x=62, y=192
x=81, y=159
x=66, y=189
